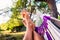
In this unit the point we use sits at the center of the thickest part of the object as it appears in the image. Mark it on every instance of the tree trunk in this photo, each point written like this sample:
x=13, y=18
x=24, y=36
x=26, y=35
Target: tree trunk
x=53, y=8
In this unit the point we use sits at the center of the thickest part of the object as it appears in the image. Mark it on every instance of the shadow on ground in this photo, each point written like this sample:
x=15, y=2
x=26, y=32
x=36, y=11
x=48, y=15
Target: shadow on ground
x=4, y=35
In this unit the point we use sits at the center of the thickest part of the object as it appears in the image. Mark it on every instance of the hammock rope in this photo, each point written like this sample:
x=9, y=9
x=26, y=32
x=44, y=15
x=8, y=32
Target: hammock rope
x=47, y=25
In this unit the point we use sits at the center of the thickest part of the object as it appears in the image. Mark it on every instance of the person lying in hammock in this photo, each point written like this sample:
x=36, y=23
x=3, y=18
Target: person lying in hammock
x=38, y=33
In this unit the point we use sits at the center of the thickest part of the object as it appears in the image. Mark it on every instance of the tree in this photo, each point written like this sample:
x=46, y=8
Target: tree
x=52, y=6
x=16, y=16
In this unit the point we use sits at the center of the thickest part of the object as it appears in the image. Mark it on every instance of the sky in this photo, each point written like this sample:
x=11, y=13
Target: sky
x=3, y=5
x=58, y=7
x=8, y=3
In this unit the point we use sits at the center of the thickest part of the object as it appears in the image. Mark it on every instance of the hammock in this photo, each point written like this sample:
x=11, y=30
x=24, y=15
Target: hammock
x=48, y=29
x=45, y=27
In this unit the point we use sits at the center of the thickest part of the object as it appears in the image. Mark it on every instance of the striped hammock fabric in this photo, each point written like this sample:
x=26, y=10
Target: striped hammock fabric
x=48, y=29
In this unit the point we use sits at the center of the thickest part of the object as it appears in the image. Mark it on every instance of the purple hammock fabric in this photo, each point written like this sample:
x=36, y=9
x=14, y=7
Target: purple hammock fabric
x=41, y=30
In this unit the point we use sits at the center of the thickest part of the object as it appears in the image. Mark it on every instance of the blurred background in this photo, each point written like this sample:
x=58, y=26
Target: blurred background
x=11, y=26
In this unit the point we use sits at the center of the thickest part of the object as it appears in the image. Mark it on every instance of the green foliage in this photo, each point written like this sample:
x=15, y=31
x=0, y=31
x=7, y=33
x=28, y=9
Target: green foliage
x=14, y=22
x=16, y=16
x=20, y=4
x=11, y=24
x=43, y=5
x=59, y=17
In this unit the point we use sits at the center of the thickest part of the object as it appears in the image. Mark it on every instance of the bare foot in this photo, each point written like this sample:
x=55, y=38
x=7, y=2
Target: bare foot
x=27, y=21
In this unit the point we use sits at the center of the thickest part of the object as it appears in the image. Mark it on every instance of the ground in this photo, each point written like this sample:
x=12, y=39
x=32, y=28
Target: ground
x=6, y=35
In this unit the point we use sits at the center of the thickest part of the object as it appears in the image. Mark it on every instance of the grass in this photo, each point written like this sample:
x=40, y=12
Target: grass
x=7, y=34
